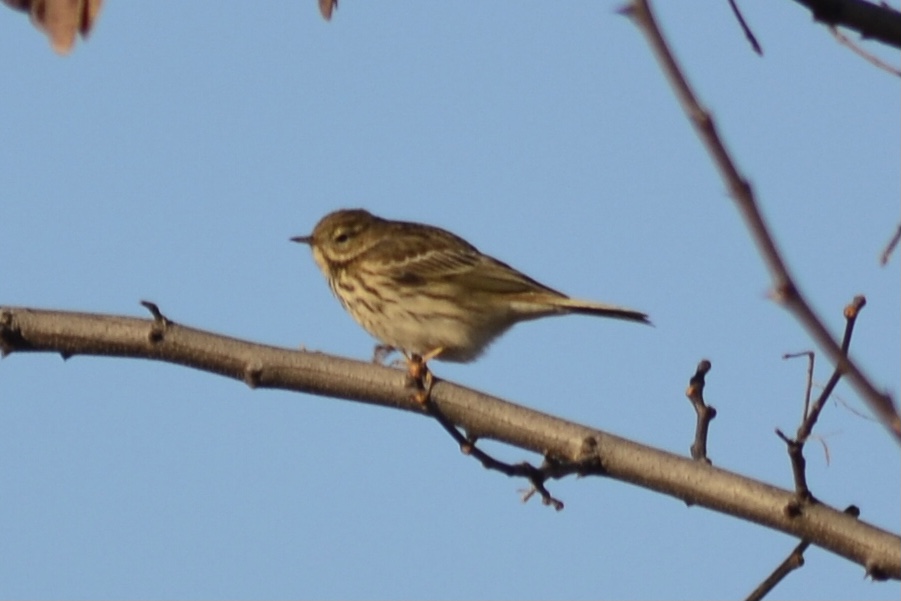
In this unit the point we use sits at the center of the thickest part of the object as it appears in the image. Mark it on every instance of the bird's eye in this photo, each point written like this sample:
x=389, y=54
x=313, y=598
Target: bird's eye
x=341, y=238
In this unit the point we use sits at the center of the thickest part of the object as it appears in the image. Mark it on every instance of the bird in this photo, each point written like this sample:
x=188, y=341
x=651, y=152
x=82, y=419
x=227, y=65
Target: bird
x=427, y=292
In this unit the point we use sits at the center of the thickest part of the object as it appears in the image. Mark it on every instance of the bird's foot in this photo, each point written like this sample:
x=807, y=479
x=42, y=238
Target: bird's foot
x=381, y=353
x=420, y=376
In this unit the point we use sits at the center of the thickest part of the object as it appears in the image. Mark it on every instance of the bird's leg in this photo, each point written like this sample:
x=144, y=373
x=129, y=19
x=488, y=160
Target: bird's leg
x=382, y=352
x=432, y=354
x=420, y=378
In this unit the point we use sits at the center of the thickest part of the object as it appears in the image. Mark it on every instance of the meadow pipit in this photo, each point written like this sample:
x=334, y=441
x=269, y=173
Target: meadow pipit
x=427, y=292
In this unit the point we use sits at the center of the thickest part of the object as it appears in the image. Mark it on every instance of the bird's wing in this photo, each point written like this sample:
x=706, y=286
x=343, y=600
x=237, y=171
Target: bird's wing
x=491, y=275
x=466, y=269
x=436, y=264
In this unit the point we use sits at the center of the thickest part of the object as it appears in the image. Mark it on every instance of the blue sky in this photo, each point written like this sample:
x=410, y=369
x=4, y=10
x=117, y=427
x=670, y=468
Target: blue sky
x=171, y=157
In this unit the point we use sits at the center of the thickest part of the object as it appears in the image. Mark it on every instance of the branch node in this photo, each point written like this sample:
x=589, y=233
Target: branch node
x=537, y=477
x=10, y=336
x=876, y=572
x=589, y=447
x=160, y=322
x=626, y=10
x=253, y=372
x=793, y=508
x=467, y=445
x=785, y=293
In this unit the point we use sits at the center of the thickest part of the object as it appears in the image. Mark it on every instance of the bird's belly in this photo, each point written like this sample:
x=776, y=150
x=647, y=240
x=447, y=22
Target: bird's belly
x=420, y=325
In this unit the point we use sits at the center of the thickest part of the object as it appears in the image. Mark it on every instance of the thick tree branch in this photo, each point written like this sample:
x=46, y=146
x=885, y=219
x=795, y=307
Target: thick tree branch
x=785, y=288
x=875, y=21
x=480, y=415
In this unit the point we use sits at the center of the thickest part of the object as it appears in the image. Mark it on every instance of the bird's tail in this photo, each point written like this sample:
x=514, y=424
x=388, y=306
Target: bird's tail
x=573, y=305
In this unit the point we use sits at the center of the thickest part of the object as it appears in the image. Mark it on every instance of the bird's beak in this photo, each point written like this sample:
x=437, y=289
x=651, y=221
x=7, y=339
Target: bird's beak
x=303, y=239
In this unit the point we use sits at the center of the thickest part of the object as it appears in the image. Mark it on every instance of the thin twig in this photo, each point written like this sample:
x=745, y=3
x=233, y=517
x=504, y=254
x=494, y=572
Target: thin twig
x=810, y=361
x=890, y=247
x=867, y=56
x=794, y=561
x=423, y=380
x=523, y=470
x=785, y=290
x=852, y=310
x=705, y=413
x=791, y=563
x=744, y=27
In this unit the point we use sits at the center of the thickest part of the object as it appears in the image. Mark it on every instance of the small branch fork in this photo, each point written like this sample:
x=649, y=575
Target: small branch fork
x=705, y=412
x=160, y=322
x=803, y=496
x=791, y=563
x=812, y=412
x=421, y=379
x=785, y=290
x=867, y=56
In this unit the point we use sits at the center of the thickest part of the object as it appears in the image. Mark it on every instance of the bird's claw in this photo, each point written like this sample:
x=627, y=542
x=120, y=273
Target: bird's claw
x=420, y=377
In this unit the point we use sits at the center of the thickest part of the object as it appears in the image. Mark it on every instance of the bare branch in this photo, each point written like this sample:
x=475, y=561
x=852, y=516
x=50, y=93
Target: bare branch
x=879, y=22
x=794, y=561
x=481, y=416
x=811, y=359
x=890, y=247
x=421, y=379
x=749, y=35
x=785, y=289
x=705, y=413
